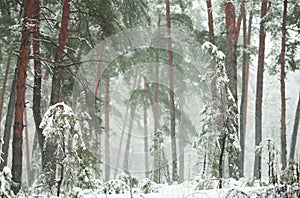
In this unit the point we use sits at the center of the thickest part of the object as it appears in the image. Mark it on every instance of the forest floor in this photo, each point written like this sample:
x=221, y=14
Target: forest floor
x=187, y=190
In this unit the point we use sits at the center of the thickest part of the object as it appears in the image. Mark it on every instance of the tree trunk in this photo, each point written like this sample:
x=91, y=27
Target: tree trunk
x=231, y=66
x=8, y=122
x=295, y=131
x=171, y=92
x=28, y=164
x=282, y=88
x=211, y=36
x=123, y=131
x=181, y=145
x=62, y=41
x=36, y=106
x=107, y=149
x=146, y=145
x=245, y=80
x=22, y=64
x=4, y=83
x=156, y=156
x=126, y=156
x=259, y=91
x=49, y=162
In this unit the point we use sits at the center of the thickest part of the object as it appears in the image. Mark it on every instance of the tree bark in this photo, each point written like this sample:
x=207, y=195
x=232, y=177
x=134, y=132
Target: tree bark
x=22, y=64
x=49, y=162
x=282, y=88
x=28, y=164
x=156, y=155
x=107, y=149
x=211, y=36
x=259, y=91
x=245, y=80
x=295, y=131
x=36, y=104
x=171, y=93
x=231, y=66
x=62, y=41
x=8, y=122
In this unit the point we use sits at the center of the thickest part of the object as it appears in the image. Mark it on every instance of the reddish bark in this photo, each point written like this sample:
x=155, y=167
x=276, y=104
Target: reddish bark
x=210, y=21
x=282, y=88
x=244, y=97
x=231, y=64
x=49, y=159
x=231, y=68
x=259, y=90
x=239, y=21
x=22, y=64
x=62, y=40
x=171, y=92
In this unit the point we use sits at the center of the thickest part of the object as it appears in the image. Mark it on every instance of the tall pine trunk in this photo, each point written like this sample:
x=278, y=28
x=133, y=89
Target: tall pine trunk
x=171, y=93
x=128, y=142
x=107, y=147
x=36, y=106
x=62, y=41
x=8, y=122
x=282, y=88
x=157, y=158
x=259, y=91
x=245, y=80
x=231, y=65
x=211, y=36
x=295, y=131
x=146, y=143
x=49, y=163
x=22, y=64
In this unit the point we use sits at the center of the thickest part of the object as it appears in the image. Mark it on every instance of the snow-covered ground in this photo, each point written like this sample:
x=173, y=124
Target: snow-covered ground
x=187, y=190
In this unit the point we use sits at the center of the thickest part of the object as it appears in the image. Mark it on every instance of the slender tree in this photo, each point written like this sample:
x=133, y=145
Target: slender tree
x=282, y=87
x=128, y=142
x=211, y=36
x=62, y=41
x=107, y=147
x=295, y=131
x=171, y=93
x=245, y=80
x=157, y=158
x=49, y=163
x=231, y=63
x=8, y=122
x=146, y=140
x=22, y=64
x=36, y=104
x=259, y=90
